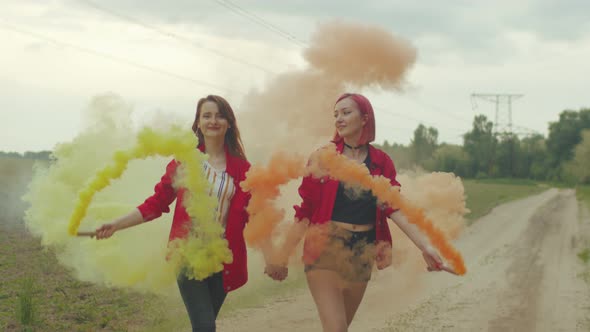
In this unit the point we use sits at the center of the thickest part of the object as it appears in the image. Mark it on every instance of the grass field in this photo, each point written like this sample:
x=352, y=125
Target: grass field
x=484, y=195
x=583, y=194
x=39, y=294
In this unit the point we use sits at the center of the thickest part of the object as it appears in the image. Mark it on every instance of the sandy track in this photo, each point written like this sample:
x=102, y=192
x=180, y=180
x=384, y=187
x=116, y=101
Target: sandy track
x=523, y=275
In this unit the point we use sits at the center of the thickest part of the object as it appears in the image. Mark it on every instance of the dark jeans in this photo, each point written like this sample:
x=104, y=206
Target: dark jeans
x=202, y=299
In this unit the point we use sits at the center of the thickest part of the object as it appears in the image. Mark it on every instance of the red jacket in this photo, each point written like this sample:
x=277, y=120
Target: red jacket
x=235, y=274
x=319, y=194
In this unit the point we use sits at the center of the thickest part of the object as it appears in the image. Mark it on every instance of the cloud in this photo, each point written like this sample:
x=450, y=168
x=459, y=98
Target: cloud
x=538, y=48
x=466, y=23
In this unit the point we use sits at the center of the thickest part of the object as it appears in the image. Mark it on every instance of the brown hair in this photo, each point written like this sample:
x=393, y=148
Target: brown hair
x=233, y=141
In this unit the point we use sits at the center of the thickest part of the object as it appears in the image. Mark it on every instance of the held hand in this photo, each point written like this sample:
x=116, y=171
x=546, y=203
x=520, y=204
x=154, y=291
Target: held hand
x=383, y=256
x=105, y=231
x=276, y=272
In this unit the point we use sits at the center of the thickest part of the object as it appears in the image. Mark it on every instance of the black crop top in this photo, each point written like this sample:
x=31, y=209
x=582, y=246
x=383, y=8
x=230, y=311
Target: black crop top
x=355, y=206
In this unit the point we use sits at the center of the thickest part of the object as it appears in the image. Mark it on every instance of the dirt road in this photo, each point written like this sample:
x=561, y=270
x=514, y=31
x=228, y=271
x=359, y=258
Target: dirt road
x=523, y=275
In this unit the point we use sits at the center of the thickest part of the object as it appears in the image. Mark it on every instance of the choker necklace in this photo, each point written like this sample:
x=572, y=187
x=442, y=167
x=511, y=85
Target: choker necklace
x=353, y=148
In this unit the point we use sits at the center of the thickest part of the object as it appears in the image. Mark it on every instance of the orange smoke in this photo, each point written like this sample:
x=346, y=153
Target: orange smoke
x=343, y=169
x=263, y=184
x=341, y=56
x=363, y=55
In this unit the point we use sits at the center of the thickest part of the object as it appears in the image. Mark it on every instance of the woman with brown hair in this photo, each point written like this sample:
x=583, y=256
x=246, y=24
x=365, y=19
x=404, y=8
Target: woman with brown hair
x=218, y=136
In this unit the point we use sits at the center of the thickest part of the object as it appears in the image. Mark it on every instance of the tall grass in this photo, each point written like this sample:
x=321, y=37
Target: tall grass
x=583, y=194
x=26, y=306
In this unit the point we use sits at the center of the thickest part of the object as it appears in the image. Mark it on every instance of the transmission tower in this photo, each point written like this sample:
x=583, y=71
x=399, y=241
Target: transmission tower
x=503, y=119
x=502, y=123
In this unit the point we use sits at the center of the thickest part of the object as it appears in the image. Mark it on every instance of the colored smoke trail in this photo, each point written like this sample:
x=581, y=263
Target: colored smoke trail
x=135, y=257
x=205, y=251
x=263, y=184
x=328, y=162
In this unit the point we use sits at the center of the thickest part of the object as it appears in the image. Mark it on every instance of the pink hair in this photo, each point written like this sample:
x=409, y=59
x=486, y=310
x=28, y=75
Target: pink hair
x=364, y=105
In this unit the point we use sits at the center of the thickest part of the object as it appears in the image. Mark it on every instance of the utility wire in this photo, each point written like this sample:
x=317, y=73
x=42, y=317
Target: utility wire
x=176, y=36
x=113, y=58
x=260, y=21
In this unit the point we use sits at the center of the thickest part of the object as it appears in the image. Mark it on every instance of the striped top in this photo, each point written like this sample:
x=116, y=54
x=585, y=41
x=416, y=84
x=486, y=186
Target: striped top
x=222, y=187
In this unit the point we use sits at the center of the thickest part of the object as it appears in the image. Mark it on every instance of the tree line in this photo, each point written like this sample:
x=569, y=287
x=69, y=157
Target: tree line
x=564, y=155
x=43, y=155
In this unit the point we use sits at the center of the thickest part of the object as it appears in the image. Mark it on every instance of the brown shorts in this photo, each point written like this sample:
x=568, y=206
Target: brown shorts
x=350, y=254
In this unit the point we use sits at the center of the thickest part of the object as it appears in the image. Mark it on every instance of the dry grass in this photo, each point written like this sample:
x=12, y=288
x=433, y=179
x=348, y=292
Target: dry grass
x=39, y=294
x=48, y=298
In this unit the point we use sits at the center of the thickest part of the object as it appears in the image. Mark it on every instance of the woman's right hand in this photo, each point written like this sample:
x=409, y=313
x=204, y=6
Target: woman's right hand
x=277, y=272
x=106, y=231
x=383, y=256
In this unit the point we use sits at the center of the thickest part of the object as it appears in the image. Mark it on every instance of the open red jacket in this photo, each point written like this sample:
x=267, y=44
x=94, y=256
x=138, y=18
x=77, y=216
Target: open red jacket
x=319, y=194
x=235, y=274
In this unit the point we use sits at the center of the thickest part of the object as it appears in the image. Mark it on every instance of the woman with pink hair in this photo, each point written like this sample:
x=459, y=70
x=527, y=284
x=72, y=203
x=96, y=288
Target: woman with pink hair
x=355, y=234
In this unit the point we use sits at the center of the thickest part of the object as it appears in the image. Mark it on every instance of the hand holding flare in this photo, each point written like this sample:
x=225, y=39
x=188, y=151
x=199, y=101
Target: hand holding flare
x=203, y=254
x=90, y=234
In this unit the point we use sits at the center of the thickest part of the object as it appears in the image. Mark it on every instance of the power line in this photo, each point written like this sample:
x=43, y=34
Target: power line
x=174, y=36
x=260, y=21
x=114, y=58
x=392, y=113
x=383, y=110
x=435, y=109
x=525, y=131
x=404, y=115
x=387, y=126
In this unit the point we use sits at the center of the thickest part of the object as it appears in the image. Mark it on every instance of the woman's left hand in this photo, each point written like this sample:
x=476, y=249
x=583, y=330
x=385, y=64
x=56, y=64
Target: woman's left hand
x=433, y=260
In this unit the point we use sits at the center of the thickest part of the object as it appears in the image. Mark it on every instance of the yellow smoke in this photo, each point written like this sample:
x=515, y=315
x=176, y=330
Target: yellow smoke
x=205, y=251
x=136, y=257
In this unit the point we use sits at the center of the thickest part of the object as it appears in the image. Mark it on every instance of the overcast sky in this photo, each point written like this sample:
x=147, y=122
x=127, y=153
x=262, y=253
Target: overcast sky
x=161, y=56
